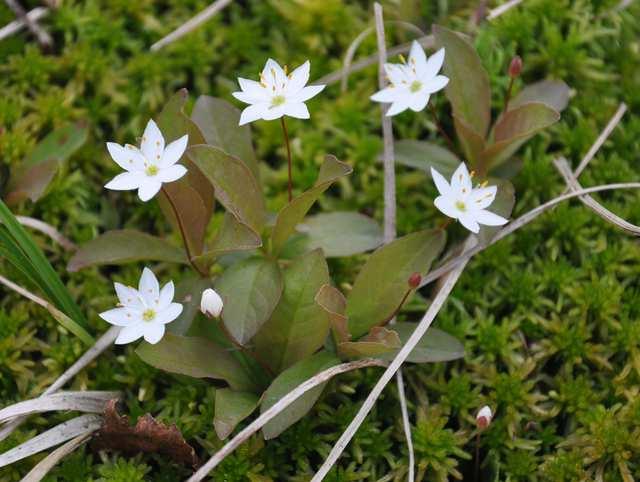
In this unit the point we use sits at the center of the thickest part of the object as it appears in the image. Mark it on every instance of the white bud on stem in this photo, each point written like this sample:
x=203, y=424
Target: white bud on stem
x=211, y=303
x=483, y=418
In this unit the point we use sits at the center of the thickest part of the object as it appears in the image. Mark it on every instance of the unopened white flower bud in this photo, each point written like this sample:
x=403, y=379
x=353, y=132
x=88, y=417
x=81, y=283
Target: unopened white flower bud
x=211, y=303
x=484, y=416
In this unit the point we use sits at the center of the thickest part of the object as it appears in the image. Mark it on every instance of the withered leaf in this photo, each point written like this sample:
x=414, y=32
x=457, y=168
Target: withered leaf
x=148, y=435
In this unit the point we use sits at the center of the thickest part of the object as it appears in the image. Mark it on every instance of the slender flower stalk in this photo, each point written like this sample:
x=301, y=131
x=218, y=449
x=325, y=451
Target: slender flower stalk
x=288, y=146
x=515, y=68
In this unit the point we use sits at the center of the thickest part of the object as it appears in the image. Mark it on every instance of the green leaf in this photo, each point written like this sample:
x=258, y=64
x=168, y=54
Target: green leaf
x=29, y=259
x=332, y=301
x=293, y=213
x=234, y=185
x=250, y=290
x=435, y=346
x=231, y=409
x=289, y=380
x=195, y=357
x=188, y=293
x=218, y=120
x=473, y=144
x=383, y=281
x=32, y=178
x=468, y=89
x=501, y=205
x=425, y=155
x=232, y=236
x=553, y=93
x=380, y=340
x=124, y=246
x=341, y=233
x=516, y=127
x=298, y=327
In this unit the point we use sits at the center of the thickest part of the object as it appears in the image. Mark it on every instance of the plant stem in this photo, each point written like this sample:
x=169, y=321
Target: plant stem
x=477, y=464
x=183, y=234
x=286, y=142
x=441, y=130
x=507, y=97
x=397, y=310
x=244, y=349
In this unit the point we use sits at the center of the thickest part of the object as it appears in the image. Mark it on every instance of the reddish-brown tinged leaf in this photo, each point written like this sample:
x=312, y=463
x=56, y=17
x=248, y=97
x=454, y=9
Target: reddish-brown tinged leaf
x=472, y=143
x=435, y=346
x=468, y=89
x=148, y=436
x=379, y=340
x=232, y=236
x=124, y=246
x=554, y=93
x=334, y=303
x=231, y=409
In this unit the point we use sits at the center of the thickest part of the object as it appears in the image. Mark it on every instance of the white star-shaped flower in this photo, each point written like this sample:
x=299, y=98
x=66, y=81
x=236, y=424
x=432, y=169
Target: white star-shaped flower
x=277, y=93
x=143, y=312
x=150, y=166
x=461, y=201
x=412, y=83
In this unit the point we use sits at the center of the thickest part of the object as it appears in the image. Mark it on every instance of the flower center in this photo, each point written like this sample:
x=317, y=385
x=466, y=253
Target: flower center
x=151, y=170
x=461, y=206
x=148, y=315
x=415, y=86
x=278, y=100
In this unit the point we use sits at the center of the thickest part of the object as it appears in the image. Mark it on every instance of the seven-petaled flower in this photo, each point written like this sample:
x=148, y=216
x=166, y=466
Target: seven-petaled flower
x=461, y=201
x=143, y=312
x=150, y=166
x=277, y=93
x=412, y=83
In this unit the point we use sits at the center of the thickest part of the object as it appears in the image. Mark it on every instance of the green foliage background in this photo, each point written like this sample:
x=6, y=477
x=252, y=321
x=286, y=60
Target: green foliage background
x=550, y=317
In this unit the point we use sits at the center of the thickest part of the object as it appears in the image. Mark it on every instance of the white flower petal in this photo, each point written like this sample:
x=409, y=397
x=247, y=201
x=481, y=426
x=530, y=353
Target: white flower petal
x=461, y=181
x=127, y=158
x=398, y=106
x=306, y=93
x=171, y=173
x=211, y=303
x=149, y=288
x=125, y=181
x=148, y=189
x=437, y=83
x=296, y=109
x=252, y=88
x=433, y=65
x=252, y=113
x=396, y=74
x=273, y=112
x=248, y=98
x=166, y=295
x=298, y=78
x=152, y=145
x=153, y=333
x=446, y=205
x=419, y=101
x=130, y=333
x=482, y=197
x=168, y=314
x=174, y=151
x=489, y=219
x=272, y=74
x=388, y=95
x=469, y=221
x=120, y=316
x=417, y=57
x=128, y=296
x=441, y=183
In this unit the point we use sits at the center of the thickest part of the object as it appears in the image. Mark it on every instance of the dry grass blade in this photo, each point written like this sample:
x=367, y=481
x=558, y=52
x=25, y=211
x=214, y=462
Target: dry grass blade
x=104, y=342
x=17, y=25
x=281, y=405
x=496, y=12
x=191, y=24
x=82, y=425
x=49, y=230
x=43, y=467
x=42, y=36
x=444, y=291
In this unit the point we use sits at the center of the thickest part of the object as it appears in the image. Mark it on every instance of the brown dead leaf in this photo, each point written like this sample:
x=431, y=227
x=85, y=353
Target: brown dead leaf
x=148, y=435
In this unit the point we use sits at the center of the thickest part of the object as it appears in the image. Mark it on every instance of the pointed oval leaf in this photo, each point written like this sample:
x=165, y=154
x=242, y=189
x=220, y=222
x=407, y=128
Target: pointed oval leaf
x=250, y=289
x=235, y=187
x=196, y=357
x=383, y=281
x=435, y=346
x=233, y=236
x=298, y=327
x=468, y=88
x=554, y=93
x=380, y=340
x=124, y=246
x=472, y=143
x=333, y=302
x=289, y=380
x=293, y=213
x=425, y=155
x=232, y=408
x=341, y=233
x=218, y=121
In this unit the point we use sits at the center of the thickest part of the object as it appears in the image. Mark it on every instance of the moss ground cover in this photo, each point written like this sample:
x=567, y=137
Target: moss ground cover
x=549, y=317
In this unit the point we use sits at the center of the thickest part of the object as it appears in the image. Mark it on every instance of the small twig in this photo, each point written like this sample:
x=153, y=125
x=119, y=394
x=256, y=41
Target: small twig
x=448, y=284
x=49, y=230
x=104, y=342
x=42, y=36
x=277, y=408
x=615, y=120
x=17, y=25
x=285, y=133
x=191, y=24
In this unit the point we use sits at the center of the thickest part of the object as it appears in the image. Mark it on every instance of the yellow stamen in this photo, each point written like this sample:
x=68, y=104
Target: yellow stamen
x=402, y=59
